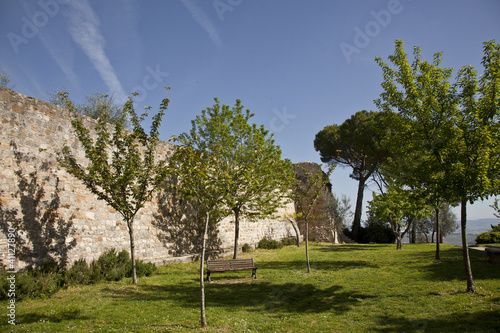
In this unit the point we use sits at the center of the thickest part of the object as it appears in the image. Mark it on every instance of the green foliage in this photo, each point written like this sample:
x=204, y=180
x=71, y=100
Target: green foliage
x=377, y=231
x=495, y=228
x=79, y=273
x=289, y=241
x=122, y=169
x=96, y=105
x=269, y=244
x=488, y=238
x=257, y=176
x=48, y=278
x=246, y=248
x=361, y=143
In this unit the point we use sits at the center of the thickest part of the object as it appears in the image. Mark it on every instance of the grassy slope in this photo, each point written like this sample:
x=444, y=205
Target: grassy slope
x=352, y=288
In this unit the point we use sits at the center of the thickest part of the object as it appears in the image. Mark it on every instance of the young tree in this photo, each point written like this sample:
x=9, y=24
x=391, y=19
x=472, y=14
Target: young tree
x=257, y=176
x=453, y=127
x=400, y=208
x=307, y=187
x=202, y=176
x=360, y=143
x=121, y=168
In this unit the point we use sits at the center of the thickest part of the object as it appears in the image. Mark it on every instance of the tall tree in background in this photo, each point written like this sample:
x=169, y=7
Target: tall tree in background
x=258, y=178
x=122, y=169
x=307, y=187
x=360, y=143
x=202, y=176
x=454, y=128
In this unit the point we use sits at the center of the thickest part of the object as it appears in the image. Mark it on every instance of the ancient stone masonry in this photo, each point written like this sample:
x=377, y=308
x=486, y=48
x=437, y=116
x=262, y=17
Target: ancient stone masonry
x=56, y=216
x=321, y=224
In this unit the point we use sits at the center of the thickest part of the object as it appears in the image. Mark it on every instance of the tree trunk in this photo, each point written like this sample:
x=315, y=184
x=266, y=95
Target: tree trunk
x=202, y=263
x=296, y=229
x=356, y=224
x=307, y=247
x=438, y=256
x=413, y=233
x=432, y=237
x=130, y=226
x=399, y=241
x=471, y=287
x=236, y=231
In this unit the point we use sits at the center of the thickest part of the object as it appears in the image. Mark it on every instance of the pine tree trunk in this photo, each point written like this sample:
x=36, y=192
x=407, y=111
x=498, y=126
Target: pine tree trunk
x=130, y=226
x=236, y=232
x=202, y=263
x=356, y=224
x=471, y=287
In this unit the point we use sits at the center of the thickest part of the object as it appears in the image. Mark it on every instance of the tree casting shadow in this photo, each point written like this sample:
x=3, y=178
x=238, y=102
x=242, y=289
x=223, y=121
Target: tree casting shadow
x=40, y=232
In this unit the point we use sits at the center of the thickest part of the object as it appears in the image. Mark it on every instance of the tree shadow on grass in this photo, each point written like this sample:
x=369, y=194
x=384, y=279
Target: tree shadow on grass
x=323, y=265
x=478, y=322
x=451, y=266
x=35, y=317
x=349, y=247
x=288, y=298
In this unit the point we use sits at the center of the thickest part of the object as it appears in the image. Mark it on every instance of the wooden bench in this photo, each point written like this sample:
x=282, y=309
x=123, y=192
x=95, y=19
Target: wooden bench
x=230, y=265
x=493, y=254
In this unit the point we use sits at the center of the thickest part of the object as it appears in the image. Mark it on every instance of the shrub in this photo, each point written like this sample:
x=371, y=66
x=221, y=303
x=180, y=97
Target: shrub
x=113, y=265
x=488, y=238
x=289, y=241
x=269, y=244
x=141, y=268
x=246, y=248
x=79, y=273
x=40, y=281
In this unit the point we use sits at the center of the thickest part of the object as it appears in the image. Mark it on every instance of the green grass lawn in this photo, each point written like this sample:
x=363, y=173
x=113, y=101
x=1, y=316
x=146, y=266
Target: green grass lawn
x=352, y=288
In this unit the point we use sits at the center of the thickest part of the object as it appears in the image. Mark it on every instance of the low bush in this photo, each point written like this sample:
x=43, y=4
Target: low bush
x=488, y=238
x=49, y=277
x=269, y=244
x=289, y=241
x=246, y=248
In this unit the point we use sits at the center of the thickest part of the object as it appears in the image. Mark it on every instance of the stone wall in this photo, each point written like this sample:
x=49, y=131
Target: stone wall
x=62, y=219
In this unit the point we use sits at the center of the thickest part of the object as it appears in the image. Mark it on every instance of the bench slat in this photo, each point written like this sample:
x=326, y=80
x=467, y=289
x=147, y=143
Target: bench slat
x=230, y=265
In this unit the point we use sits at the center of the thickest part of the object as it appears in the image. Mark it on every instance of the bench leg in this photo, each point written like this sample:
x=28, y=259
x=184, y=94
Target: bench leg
x=208, y=277
x=254, y=274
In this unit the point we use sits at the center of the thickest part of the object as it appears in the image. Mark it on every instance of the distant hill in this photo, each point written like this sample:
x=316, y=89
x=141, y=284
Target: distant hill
x=474, y=228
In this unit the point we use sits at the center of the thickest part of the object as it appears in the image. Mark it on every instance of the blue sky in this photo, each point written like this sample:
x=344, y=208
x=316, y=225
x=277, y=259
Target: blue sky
x=298, y=65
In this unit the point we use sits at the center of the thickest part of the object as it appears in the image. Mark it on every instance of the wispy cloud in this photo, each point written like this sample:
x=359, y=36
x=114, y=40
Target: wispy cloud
x=85, y=31
x=203, y=20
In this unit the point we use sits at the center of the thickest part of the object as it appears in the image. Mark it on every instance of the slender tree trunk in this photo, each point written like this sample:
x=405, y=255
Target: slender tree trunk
x=307, y=247
x=432, y=237
x=236, y=231
x=438, y=256
x=471, y=287
x=202, y=264
x=130, y=226
x=413, y=233
x=356, y=224
x=297, y=233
